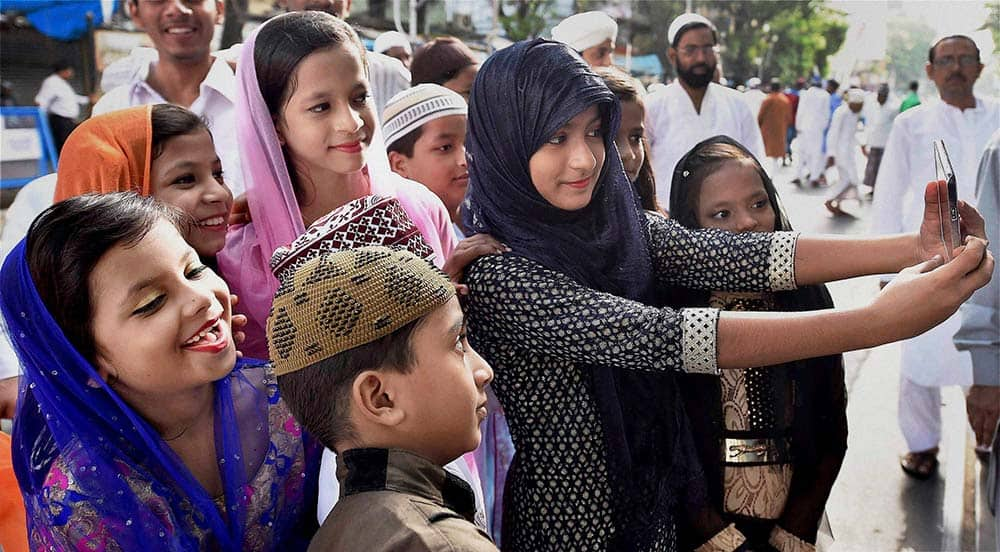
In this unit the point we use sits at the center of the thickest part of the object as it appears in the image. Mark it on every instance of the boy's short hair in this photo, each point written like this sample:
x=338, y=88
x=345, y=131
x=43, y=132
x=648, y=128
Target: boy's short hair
x=341, y=313
x=406, y=113
x=405, y=144
x=319, y=395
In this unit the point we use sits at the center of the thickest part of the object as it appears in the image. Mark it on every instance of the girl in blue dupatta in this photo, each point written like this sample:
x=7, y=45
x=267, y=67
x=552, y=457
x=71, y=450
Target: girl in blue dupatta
x=137, y=425
x=573, y=321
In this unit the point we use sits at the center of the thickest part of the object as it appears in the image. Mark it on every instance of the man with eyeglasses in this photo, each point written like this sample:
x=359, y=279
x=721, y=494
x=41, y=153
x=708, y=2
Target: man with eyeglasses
x=965, y=123
x=694, y=108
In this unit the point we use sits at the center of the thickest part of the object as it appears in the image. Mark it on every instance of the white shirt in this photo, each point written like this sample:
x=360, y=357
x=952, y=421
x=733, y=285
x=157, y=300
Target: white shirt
x=907, y=166
x=216, y=102
x=841, y=142
x=754, y=97
x=878, y=121
x=814, y=110
x=33, y=198
x=388, y=77
x=57, y=97
x=674, y=127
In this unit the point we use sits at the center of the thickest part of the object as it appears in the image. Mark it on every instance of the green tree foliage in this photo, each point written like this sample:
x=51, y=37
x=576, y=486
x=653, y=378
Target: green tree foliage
x=523, y=19
x=788, y=38
x=906, y=50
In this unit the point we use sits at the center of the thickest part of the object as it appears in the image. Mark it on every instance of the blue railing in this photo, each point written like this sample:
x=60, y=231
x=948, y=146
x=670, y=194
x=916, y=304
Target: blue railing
x=49, y=159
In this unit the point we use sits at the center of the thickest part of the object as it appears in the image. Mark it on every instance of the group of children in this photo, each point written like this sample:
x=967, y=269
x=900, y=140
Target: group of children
x=138, y=426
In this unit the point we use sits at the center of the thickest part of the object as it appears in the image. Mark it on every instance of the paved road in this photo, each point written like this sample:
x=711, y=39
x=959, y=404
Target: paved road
x=874, y=506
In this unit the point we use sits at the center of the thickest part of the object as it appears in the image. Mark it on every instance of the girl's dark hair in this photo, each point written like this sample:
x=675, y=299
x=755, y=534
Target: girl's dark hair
x=440, y=60
x=66, y=242
x=169, y=121
x=623, y=87
x=285, y=41
x=703, y=160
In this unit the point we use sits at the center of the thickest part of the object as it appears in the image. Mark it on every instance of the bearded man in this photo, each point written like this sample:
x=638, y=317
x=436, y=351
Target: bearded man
x=694, y=108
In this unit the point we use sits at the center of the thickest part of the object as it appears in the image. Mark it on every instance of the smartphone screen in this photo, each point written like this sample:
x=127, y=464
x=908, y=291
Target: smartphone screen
x=948, y=206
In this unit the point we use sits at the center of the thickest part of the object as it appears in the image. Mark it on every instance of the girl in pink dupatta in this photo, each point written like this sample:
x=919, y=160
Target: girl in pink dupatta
x=332, y=143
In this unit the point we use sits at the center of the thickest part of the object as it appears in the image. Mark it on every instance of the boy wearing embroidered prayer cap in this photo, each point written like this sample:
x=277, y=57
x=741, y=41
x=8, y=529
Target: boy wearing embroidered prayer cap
x=370, y=352
x=425, y=138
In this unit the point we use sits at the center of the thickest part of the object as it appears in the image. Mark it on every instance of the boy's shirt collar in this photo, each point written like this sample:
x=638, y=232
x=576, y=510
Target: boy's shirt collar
x=375, y=469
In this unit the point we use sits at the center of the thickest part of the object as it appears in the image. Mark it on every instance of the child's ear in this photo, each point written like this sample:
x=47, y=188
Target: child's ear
x=277, y=130
x=398, y=162
x=375, y=399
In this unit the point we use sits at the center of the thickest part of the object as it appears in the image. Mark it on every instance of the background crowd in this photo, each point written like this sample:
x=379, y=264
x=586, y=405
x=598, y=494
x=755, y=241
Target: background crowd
x=322, y=209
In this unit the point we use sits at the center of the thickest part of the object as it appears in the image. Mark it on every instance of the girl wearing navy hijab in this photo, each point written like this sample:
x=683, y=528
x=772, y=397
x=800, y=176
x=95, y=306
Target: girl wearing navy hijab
x=571, y=318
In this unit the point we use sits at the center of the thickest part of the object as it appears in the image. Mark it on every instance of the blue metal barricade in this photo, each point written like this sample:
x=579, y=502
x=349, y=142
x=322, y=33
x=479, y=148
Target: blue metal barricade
x=18, y=119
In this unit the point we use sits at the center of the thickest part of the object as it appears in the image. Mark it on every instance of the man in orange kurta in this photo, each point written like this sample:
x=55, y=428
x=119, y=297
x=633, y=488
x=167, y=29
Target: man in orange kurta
x=774, y=119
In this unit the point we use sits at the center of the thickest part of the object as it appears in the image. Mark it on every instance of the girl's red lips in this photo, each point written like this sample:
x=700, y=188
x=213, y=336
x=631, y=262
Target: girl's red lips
x=579, y=183
x=350, y=147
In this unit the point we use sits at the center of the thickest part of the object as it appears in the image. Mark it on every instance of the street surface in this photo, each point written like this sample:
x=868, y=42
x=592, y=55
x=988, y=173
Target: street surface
x=874, y=506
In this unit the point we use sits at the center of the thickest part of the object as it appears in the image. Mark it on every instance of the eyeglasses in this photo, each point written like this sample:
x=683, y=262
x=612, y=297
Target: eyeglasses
x=967, y=60
x=690, y=51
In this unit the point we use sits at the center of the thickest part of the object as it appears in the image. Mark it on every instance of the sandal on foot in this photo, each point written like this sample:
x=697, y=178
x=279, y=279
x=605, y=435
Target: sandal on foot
x=833, y=206
x=920, y=465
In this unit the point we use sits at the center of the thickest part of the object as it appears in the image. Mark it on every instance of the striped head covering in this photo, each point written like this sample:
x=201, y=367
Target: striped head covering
x=412, y=108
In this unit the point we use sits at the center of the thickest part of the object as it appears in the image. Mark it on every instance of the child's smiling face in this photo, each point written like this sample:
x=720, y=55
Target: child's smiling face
x=327, y=122
x=566, y=168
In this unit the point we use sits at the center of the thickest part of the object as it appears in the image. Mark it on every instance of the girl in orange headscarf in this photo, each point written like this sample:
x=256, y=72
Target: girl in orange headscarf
x=160, y=150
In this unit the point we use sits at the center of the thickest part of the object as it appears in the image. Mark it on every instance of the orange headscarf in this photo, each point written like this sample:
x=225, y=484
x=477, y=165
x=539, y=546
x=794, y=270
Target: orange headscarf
x=107, y=153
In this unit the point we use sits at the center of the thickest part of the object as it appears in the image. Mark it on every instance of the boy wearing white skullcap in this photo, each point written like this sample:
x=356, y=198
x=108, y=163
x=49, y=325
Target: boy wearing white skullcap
x=425, y=137
x=394, y=44
x=592, y=33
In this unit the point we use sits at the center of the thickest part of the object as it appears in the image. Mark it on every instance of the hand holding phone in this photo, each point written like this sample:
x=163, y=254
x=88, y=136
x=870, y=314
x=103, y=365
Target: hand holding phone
x=951, y=234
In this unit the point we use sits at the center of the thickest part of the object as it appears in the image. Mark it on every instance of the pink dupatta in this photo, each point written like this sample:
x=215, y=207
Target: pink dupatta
x=277, y=220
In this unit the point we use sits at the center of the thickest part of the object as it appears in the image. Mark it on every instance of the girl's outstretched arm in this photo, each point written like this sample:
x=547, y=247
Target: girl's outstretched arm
x=922, y=297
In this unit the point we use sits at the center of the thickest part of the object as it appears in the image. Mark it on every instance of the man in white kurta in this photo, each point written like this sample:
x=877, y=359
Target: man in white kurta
x=965, y=123
x=693, y=108
x=842, y=148
x=811, y=120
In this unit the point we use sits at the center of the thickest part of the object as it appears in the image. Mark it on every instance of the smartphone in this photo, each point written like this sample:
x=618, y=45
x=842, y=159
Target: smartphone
x=951, y=234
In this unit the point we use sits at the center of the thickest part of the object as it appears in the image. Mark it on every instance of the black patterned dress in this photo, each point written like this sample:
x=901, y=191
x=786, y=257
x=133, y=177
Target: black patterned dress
x=537, y=328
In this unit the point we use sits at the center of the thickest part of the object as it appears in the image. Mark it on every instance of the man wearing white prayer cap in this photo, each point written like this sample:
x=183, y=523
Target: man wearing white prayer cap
x=842, y=148
x=394, y=44
x=592, y=33
x=693, y=108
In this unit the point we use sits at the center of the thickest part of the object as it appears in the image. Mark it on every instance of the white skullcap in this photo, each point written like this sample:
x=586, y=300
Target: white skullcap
x=683, y=21
x=585, y=30
x=392, y=39
x=414, y=107
x=855, y=95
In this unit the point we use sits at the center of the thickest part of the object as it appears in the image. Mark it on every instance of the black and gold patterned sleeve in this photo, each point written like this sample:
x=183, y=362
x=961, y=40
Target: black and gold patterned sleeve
x=519, y=303
x=721, y=261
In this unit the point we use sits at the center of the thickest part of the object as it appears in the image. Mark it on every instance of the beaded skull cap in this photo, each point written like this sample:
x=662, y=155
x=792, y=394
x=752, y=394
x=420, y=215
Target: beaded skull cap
x=340, y=300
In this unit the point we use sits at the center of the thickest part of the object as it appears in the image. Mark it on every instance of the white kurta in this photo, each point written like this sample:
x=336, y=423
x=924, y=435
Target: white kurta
x=216, y=102
x=674, y=127
x=56, y=96
x=811, y=119
x=842, y=144
x=754, y=98
x=907, y=166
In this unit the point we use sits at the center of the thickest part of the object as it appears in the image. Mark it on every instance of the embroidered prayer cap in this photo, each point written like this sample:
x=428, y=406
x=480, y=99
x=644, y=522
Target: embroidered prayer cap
x=683, y=23
x=370, y=220
x=392, y=39
x=107, y=153
x=343, y=299
x=586, y=30
x=412, y=108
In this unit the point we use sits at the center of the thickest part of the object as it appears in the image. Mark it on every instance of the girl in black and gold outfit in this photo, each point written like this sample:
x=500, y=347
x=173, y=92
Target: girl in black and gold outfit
x=771, y=441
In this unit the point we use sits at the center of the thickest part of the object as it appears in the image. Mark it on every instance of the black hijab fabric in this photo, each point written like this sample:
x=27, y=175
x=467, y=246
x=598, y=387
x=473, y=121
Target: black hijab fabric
x=522, y=96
